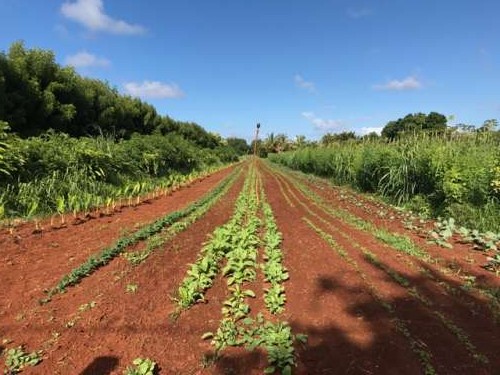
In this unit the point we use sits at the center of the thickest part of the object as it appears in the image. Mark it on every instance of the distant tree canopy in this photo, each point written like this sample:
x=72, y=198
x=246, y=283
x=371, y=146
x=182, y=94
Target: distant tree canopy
x=330, y=138
x=239, y=145
x=414, y=123
x=37, y=94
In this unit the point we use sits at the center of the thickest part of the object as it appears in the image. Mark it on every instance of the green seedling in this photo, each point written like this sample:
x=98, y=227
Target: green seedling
x=141, y=367
x=16, y=359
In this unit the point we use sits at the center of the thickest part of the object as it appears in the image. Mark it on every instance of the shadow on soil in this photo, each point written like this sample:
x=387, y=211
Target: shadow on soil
x=377, y=347
x=101, y=366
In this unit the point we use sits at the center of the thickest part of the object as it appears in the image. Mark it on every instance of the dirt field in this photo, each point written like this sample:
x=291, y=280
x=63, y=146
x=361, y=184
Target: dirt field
x=368, y=301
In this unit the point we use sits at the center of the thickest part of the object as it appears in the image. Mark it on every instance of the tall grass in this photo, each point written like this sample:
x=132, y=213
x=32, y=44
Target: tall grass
x=442, y=176
x=56, y=173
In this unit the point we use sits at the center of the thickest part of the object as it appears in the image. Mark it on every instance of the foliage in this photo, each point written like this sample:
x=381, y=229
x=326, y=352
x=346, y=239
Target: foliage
x=16, y=359
x=443, y=231
x=59, y=173
x=201, y=274
x=239, y=145
x=131, y=288
x=38, y=94
x=452, y=176
x=122, y=142
x=276, y=338
x=141, y=367
x=414, y=123
x=97, y=261
x=330, y=138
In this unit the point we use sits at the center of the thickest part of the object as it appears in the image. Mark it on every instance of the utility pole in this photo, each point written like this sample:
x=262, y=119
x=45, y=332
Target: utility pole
x=256, y=139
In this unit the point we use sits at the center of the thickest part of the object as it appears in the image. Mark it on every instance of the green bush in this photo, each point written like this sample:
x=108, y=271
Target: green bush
x=457, y=177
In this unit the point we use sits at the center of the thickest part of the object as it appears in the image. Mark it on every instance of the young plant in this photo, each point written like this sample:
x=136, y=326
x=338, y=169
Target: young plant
x=131, y=288
x=141, y=367
x=16, y=359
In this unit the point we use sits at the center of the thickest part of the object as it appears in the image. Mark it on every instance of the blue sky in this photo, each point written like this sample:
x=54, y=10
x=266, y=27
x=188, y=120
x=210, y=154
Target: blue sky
x=298, y=67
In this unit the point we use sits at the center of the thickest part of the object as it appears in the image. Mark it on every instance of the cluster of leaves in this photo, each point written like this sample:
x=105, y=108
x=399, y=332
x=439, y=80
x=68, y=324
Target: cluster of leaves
x=276, y=338
x=235, y=308
x=451, y=176
x=62, y=174
x=106, y=255
x=443, y=231
x=141, y=366
x=242, y=258
x=201, y=273
x=237, y=328
x=487, y=241
x=158, y=240
x=493, y=263
x=16, y=359
x=274, y=271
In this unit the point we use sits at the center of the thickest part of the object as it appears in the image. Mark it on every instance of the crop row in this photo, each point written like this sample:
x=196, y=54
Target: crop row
x=101, y=259
x=412, y=290
x=157, y=240
x=274, y=271
x=237, y=243
x=444, y=229
x=401, y=244
x=201, y=274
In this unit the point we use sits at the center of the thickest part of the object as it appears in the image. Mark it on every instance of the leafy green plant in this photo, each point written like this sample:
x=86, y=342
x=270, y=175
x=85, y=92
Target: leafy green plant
x=488, y=241
x=235, y=307
x=16, y=359
x=94, y=262
x=87, y=306
x=443, y=231
x=454, y=177
x=131, y=288
x=141, y=366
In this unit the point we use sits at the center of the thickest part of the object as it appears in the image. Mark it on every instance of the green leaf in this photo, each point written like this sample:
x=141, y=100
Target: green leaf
x=250, y=293
x=270, y=370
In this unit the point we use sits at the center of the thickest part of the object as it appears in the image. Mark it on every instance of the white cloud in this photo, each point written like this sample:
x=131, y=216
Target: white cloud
x=322, y=124
x=85, y=60
x=153, y=89
x=359, y=12
x=371, y=129
x=408, y=83
x=303, y=84
x=90, y=13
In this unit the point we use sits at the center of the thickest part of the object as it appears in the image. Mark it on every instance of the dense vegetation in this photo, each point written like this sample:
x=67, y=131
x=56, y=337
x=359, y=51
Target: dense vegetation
x=64, y=136
x=454, y=176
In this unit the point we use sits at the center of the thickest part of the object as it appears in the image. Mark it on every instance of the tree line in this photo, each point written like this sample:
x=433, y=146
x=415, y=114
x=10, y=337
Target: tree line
x=433, y=124
x=37, y=95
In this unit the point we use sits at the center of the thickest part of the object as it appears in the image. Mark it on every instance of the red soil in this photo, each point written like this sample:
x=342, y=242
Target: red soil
x=349, y=330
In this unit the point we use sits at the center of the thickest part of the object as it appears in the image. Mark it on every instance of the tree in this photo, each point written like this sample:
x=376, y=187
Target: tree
x=371, y=136
x=239, y=145
x=344, y=136
x=415, y=123
x=488, y=126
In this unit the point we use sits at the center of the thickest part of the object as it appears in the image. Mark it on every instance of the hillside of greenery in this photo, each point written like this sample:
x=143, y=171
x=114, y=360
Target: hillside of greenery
x=64, y=137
